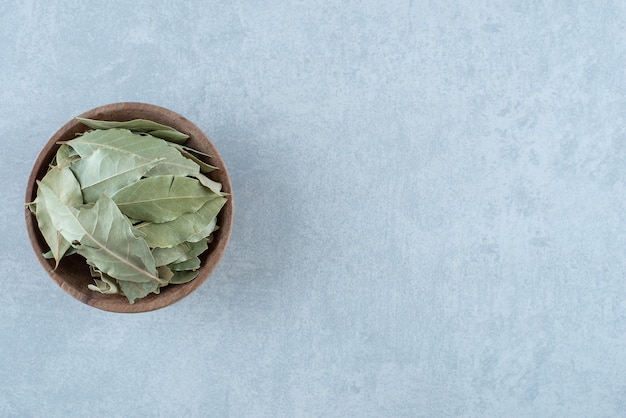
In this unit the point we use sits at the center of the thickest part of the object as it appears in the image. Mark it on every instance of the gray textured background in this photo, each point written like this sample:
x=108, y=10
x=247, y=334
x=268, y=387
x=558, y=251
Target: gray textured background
x=430, y=206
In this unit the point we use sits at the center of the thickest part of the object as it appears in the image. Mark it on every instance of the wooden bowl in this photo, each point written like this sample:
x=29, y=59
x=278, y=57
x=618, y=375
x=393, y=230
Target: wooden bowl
x=72, y=274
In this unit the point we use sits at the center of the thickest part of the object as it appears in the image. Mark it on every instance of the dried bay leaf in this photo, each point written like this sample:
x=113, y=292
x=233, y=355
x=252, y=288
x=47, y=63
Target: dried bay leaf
x=179, y=253
x=161, y=198
x=64, y=184
x=103, y=235
x=170, y=135
x=105, y=286
x=191, y=264
x=107, y=171
x=130, y=144
x=111, y=245
x=158, y=220
x=64, y=217
x=94, y=271
x=67, y=189
x=165, y=256
x=48, y=254
x=104, y=283
x=205, y=232
x=195, y=249
x=189, y=150
x=204, y=167
x=181, y=277
x=65, y=156
x=212, y=185
x=139, y=125
x=137, y=290
x=58, y=245
x=165, y=273
x=172, y=163
x=172, y=233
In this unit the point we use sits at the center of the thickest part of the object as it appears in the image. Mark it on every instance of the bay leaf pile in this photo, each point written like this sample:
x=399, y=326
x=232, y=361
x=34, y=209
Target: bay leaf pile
x=132, y=200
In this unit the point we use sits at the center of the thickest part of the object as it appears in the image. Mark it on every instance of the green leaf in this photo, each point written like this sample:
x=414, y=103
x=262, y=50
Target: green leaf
x=103, y=235
x=105, y=284
x=94, y=271
x=106, y=172
x=191, y=264
x=137, y=290
x=181, y=277
x=154, y=181
x=64, y=184
x=179, y=253
x=32, y=206
x=165, y=273
x=172, y=233
x=195, y=249
x=129, y=144
x=139, y=125
x=172, y=136
x=143, y=146
x=194, y=151
x=204, y=232
x=65, y=156
x=48, y=254
x=161, y=198
x=212, y=185
x=66, y=188
x=204, y=167
x=165, y=256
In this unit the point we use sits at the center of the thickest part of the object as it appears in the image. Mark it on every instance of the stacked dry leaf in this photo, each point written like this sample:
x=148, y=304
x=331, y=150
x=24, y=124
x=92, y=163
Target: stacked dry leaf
x=133, y=201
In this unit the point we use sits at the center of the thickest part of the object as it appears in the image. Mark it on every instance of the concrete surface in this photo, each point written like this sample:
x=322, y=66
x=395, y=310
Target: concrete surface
x=430, y=207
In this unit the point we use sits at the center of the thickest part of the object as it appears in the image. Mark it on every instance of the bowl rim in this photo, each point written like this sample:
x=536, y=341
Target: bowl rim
x=169, y=294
